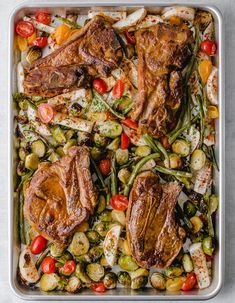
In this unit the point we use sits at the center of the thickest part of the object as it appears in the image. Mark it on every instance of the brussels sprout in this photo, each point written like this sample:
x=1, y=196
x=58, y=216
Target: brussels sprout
x=60, y=151
x=64, y=257
x=38, y=148
x=49, y=282
x=58, y=134
x=96, y=252
x=31, y=161
x=74, y=284
x=124, y=175
x=95, y=271
x=23, y=104
x=75, y=109
x=175, y=161
x=69, y=134
x=109, y=128
x=101, y=205
x=187, y=263
x=124, y=278
x=63, y=282
x=127, y=263
x=207, y=245
x=96, y=153
x=70, y=143
x=99, y=140
x=105, y=216
x=21, y=170
x=22, y=153
x=213, y=203
x=119, y=216
x=198, y=159
x=174, y=284
x=173, y=271
x=122, y=156
x=54, y=157
x=189, y=209
x=202, y=19
x=104, y=262
x=181, y=147
x=102, y=228
x=34, y=53
x=110, y=280
x=114, y=144
x=83, y=138
x=93, y=236
x=86, y=258
x=83, y=227
x=81, y=274
x=143, y=151
x=158, y=281
x=139, y=272
x=57, y=250
x=80, y=244
x=139, y=282
x=197, y=223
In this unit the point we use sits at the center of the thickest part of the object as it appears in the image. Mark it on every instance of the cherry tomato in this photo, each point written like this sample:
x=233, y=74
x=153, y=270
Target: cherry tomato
x=98, y=287
x=125, y=141
x=43, y=17
x=130, y=38
x=165, y=142
x=119, y=202
x=69, y=267
x=100, y=86
x=38, y=245
x=40, y=42
x=45, y=112
x=105, y=166
x=118, y=89
x=48, y=265
x=209, y=258
x=190, y=282
x=208, y=47
x=130, y=123
x=24, y=28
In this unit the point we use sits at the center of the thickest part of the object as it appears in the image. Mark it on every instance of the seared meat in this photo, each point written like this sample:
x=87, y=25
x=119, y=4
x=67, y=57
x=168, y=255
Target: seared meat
x=162, y=51
x=153, y=235
x=95, y=47
x=61, y=195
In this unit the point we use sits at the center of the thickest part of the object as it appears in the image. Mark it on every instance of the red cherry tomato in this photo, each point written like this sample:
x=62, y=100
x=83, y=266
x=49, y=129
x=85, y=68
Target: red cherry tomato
x=125, y=141
x=98, y=287
x=165, y=142
x=40, y=42
x=100, y=86
x=43, y=17
x=24, y=28
x=69, y=267
x=190, y=282
x=45, y=112
x=38, y=245
x=208, y=47
x=119, y=202
x=130, y=123
x=118, y=89
x=130, y=38
x=48, y=265
x=105, y=166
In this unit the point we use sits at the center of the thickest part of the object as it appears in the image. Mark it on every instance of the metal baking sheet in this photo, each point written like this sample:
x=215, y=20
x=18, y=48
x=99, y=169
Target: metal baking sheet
x=120, y=293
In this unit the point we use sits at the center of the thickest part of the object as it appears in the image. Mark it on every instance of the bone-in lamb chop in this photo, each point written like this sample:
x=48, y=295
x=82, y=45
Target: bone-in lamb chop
x=61, y=195
x=154, y=237
x=94, y=50
x=163, y=50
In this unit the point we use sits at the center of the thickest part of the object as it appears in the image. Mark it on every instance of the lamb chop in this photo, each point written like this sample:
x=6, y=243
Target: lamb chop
x=61, y=195
x=154, y=237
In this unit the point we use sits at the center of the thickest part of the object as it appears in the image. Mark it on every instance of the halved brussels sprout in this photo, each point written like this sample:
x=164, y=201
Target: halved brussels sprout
x=109, y=128
x=93, y=236
x=158, y=281
x=79, y=245
x=139, y=282
x=198, y=159
x=173, y=271
x=105, y=216
x=58, y=134
x=197, y=223
x=102, y=228
x=189, y=209
x=207, y=245
x=101, y=205
x=114, y=144
x=119, y=216
x=127, y=263
x=81, y=274
x=143, y=151
x=21, y=169
x=34, y=53
x=187, y=263
x=95, y=271
x=96, y=252
x=38, y=148
x=49, y=282
x=175, y=161
x=57, y=250
x=181, y=147
x=110, y=280
x=74, y=284
x=31, y=161
x=99, y=140
x=122, y=156
x=124, y=278
x=124, y=175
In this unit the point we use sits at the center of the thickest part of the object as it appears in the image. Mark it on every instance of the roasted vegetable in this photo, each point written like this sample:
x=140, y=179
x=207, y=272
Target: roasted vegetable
x=110, y=128
x=124, y=175
x=110, y=280
x=124, y=278
x=127, y=263
x=187, y=263
x=99, y=140
x=74, y=284
x=181, y=147
x=197, y=223
x=143, y=151
x=57, y=250
x=102, y=228
x=119, y=217
x=38, y=148
x=81, y=274
x=93, y=236
x=58, y=134
x=158, y=281
x=95, y=271
x=198, y=159
x=122, y=156
x=101, y=205
x=96, y=153
x=27, y=266
x=174, y=284
x=31, y=161
x=80, y=244
x=207, y=245
x=189, y=209
x=49, y=282
x=34, y=53
x=173, y=271
x=139, y=282
x=110, y=244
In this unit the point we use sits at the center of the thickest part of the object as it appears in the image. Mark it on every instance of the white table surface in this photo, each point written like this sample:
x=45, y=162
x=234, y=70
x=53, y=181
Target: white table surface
x=227, y=7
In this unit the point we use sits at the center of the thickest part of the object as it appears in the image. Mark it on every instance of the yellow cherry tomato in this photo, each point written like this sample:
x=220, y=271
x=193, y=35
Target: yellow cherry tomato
x=213, y=112
x=204, y=69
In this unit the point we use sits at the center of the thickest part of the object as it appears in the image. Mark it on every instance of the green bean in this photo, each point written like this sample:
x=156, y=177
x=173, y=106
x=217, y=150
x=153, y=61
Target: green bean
x=68, y=22
x=21, y=217
x=100, y=99
x=180, y=212
x=98, y=173
x=156, y=146
x=149, y=141
x=42, y=256
x=128, y=108
x=176, y=173
x=201, y=113
x=214, y=160
x=113, y=176
x=136, y=170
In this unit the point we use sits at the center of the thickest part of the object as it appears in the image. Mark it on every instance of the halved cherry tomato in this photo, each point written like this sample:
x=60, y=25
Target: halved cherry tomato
x=40, y=42
x=105, y=166
x=118, y=89
x=100, y=86
x=38, y=245
x=190, y=282
x=43, y=17
x=45, y=112
x=165, y=142
x=69, y=267
x=24, y=28
x=119, y=202
x=130, y=123
x=130, y=38
x=98, y=287
x=208, y=47
x=48, y=265
x=125, y=141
